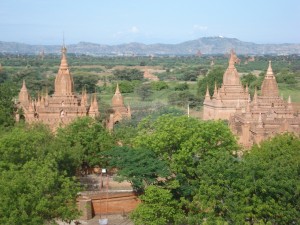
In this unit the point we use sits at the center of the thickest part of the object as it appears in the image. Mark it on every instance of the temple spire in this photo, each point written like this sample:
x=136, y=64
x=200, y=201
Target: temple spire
x=117, y=100
x=247, y=88
x=207, y=95
x=64, y=85
x=83, y=97
x=23, y=94
x=270, y=70
x=94, y=109
x=255, y=95
x=269, y=86
x=231, y=76
x=215, y=91
x=24, y=88
x=95, y=102
x=248, y=110
x=117, y=89
x=232, y=59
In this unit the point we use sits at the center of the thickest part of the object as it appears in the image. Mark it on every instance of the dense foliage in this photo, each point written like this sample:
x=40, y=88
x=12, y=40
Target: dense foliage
x=128, y=74
x=34, y=189
x=214, y=77
x=7, y=107
x=87, y=139
x=139, y=166
x=214, y=186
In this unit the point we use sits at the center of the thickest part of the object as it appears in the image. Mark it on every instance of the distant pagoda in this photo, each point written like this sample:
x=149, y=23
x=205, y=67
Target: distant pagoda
x=62, y=107
x=224, y=101
x=120, y=111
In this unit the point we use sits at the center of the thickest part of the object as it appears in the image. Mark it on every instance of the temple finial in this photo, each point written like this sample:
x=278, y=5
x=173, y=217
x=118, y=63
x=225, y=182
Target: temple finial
x=270, y=70
x=215, y=90
x=255, y=95
x=233, y=59
x=24, y=85
x=207, y=92
x=117, y=89
x=289, y=100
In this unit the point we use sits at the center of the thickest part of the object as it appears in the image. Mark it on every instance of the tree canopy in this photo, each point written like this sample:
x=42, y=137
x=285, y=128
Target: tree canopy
x=128, y=74
x=34, y=189
x=90, y=137
x=7, y=107
x=139, y=166
x=211, y=184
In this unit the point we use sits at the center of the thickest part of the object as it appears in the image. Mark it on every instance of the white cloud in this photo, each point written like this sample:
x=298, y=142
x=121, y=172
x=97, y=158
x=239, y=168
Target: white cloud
x=200, y=27
x=134, y=30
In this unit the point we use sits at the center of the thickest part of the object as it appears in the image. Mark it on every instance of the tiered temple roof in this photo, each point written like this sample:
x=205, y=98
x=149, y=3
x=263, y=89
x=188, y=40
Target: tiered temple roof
x=266, y=115
x=63, y=106
x=225, y=99
x=119, y=110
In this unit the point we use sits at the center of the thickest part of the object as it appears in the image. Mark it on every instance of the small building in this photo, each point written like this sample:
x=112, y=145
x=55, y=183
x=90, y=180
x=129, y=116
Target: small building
x=120, y=111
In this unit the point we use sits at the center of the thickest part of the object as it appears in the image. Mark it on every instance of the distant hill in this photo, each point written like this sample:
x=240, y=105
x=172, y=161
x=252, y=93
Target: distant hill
x=207, y=45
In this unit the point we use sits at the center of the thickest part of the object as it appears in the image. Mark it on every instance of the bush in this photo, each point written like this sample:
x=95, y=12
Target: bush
x=128, y=74
x=183, y=98
x=159, y=85
x=125, y=86
x=181, y=87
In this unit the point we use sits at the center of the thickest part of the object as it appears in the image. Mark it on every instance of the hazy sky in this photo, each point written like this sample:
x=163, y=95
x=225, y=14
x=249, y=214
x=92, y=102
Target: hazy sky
x=148, y=21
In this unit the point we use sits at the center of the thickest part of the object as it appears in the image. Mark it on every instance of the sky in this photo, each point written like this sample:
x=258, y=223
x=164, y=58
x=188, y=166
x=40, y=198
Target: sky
x=148, y=21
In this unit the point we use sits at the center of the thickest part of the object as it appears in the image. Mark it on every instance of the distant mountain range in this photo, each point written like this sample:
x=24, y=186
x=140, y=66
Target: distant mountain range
x=206, y=45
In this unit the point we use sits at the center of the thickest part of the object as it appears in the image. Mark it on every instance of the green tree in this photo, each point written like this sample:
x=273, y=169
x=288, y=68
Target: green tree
x=139, y=166
x=213, y=76
x=144, y=91
x=159, y=85
x=34, y=190
x=3, y=75
x=181, y=87
x=201, y=156
x=88, y=135
x=87, y=81
x=269, y=182
x=37, y=193
x=126, y=131
x=184, y=143
x=183, y=98
x=248, y=79
x=126, y=86
x=285, y=76
x=157, y=208
x=7, y=107
x=24, y=143
x=128, y=74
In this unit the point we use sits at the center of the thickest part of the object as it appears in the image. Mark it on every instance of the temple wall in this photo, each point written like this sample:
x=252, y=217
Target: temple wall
x=108, y=203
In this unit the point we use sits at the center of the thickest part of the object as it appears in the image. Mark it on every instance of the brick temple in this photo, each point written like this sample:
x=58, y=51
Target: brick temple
x=266, y=115
x=62, y=107
x=225, y=99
